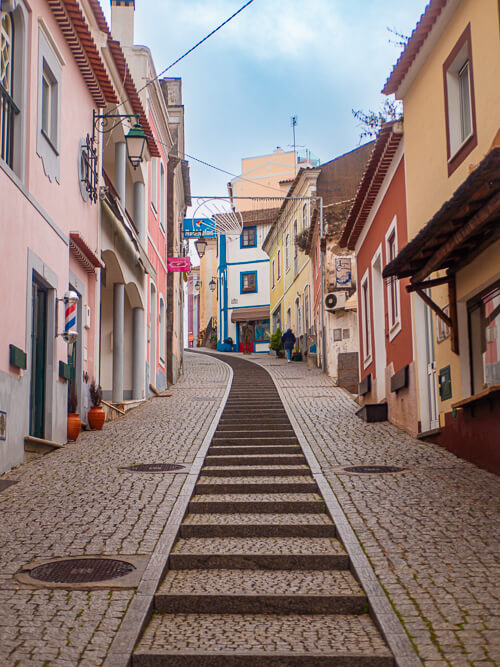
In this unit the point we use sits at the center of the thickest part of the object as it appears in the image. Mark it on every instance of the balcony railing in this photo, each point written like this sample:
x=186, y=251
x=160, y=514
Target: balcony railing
x=8, y=110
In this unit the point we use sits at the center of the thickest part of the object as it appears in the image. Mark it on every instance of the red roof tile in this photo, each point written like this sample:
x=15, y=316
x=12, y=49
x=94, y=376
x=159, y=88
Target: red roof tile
x=415, y=43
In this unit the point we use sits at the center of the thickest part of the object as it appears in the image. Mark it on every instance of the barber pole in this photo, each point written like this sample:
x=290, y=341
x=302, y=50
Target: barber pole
x=70, y=304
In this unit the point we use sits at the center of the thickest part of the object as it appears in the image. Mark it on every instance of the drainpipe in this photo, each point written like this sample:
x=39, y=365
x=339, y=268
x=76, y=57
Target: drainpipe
x=322, y=270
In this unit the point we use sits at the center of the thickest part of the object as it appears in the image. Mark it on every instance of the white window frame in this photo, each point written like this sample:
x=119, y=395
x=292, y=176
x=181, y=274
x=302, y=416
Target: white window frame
x=393, y=323
x=287, y=252
x=273, y=274
x=161, y=212
x=50, y=66
x=366, y=324
x=305, y=217
x=279, y=265
x=154, y=185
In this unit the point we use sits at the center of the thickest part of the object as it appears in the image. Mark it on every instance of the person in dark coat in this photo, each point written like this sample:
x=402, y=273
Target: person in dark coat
x=288, y=340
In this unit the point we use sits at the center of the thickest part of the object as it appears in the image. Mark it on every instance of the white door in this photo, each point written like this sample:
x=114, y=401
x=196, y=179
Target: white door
x=431, y=370
x=379, y=326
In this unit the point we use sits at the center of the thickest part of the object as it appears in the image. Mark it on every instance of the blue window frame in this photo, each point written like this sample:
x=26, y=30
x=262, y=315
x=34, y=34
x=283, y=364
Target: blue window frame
x=248, y=238
x=248, y=282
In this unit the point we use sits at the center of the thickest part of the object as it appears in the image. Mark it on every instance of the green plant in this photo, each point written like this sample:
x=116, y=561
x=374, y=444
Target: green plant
x=275, y=340
x=95, y=391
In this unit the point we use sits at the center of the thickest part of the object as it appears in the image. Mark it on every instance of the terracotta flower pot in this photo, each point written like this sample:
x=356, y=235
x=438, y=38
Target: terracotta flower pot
x=74, y=426
x=96, y=417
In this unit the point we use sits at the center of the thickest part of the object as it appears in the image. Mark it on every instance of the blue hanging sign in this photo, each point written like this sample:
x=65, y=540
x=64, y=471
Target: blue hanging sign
x=193, y=228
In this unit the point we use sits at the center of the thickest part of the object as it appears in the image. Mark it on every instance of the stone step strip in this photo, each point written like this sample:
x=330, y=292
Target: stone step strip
x=255, y=470
x=232, y=449
x=258, y=503
x=271, y=640
x=255, y=459
x=257, y=525
x=214, y=485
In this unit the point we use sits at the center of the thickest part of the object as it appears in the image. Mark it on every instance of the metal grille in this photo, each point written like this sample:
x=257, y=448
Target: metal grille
x=155, y=467
x=80, y=570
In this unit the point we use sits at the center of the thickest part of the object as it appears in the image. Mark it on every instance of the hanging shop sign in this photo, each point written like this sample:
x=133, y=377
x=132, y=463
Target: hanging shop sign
x=343, y=271
x=193, y=228
x=178, y=264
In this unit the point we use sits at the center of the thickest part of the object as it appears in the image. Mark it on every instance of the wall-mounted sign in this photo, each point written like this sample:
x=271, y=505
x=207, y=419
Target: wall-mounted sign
x=3, y=425
x=193, y=228
x=343, y=271
x=180, y=264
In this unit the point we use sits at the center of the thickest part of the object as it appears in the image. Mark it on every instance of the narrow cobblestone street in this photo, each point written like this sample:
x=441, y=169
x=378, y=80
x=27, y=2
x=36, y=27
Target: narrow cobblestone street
x=430, y=533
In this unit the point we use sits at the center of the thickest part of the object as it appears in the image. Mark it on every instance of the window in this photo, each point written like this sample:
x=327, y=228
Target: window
x=154, y=184
x=295, y=248
x=289, y=318
x=305, y=221
x=277, y=318
x=279, y=264
x=262, y=333
x=298, y=323
x=459, y=102
x=162, y=196
x=442, y=329
x=248, y=238
x=484, y=339
x=162, y=330
x=287, y=252
x=366, y=320
x=7, y=107
x=306, y=310
x=248, y=282
x=393, y=302
x=49, y=96
x=273, y=274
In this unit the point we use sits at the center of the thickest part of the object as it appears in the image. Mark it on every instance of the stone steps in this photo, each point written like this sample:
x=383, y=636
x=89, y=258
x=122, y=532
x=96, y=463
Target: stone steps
x=257, y=575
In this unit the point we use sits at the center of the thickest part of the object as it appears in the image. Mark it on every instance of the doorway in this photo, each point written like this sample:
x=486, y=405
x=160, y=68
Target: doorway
x=379, y=325
x=38, y=359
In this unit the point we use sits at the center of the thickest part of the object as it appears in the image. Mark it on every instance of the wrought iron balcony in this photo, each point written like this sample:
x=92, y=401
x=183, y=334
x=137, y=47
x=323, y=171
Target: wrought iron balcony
x=8, y=109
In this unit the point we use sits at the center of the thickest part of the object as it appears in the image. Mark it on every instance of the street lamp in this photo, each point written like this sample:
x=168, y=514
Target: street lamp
x=201, y=246
x=135, y=139
x=212, y=285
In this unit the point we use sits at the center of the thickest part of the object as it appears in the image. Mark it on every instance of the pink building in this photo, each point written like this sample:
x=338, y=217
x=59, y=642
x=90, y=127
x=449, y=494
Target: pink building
x=53, y=81
x=376, y=229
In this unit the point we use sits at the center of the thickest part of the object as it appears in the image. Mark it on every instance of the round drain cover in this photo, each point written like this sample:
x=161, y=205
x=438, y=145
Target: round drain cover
x=78, y=570
x=155, y=467
x=372, y=469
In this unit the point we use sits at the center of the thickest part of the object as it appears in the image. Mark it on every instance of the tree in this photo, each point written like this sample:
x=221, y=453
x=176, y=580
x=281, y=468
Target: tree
x=371, y=121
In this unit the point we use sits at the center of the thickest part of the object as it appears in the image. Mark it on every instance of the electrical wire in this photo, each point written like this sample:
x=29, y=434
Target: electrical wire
x=186, y=53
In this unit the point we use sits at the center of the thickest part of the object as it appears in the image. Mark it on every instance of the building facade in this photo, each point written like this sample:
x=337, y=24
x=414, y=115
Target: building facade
x=452, y=192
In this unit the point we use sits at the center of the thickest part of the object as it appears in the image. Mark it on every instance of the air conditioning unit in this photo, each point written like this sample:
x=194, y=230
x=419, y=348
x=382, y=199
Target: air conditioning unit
x=334, y=301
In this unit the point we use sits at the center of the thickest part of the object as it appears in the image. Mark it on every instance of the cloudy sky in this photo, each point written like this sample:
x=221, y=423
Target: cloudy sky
x=317, y=59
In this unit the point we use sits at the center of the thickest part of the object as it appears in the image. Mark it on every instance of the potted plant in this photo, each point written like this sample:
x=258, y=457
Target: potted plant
x=213, y=341
x=74, y=423
x=275, y=342
x=96, y=414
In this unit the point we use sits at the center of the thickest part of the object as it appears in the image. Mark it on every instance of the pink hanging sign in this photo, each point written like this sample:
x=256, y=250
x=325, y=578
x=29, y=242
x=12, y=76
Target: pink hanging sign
x=181, y=264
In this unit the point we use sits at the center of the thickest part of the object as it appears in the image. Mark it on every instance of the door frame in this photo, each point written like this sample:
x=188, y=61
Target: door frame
x=378, y=323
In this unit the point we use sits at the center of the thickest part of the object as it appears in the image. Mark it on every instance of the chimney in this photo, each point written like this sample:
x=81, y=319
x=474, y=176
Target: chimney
x=122, y=21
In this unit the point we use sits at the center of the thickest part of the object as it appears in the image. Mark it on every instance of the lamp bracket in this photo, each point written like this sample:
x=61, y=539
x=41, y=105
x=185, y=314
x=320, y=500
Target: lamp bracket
x=105, y=122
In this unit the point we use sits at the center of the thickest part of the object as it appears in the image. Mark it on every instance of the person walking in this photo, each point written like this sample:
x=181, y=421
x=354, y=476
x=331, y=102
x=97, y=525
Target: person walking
x=288, y=340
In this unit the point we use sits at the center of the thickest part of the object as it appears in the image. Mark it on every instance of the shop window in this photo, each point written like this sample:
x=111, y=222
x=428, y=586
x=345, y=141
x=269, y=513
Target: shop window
x=484, y=339
x=248, y=238
x=262, y=332
x=459, y=102
x=248, y=282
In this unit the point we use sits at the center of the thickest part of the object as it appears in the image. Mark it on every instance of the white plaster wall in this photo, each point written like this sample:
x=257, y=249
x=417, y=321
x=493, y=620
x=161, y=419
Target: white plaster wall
x=342, y=319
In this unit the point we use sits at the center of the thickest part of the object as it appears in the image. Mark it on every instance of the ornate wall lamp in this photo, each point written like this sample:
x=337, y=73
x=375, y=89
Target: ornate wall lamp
x=135, y=139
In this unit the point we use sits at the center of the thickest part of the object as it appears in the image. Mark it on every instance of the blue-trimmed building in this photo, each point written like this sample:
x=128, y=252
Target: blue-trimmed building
x=243, y=285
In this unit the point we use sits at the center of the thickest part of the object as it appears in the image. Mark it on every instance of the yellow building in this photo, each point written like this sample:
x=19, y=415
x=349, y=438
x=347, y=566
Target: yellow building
x=448, y=78
x=290, y=303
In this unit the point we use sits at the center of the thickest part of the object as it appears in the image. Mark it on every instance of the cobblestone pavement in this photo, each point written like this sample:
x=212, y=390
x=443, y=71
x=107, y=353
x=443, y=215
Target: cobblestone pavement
x=432, y=533
x=77, y=501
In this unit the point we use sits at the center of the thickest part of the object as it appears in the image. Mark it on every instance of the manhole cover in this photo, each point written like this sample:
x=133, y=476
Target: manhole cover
x=372, y=469
x=80, y=570
x=5, y=483
x=155, y=467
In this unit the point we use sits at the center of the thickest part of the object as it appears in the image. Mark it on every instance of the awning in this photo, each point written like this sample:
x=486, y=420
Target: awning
x=463, y=227
x=248, y=314
x=83, y=253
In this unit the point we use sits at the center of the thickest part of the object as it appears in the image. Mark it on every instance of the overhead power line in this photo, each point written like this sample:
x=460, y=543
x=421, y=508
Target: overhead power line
x=188, y=52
